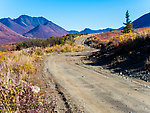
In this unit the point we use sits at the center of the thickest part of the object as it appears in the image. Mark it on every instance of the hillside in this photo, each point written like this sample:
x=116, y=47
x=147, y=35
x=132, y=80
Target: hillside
x=7, y=35
x=13, y=25
x=143, y=21
x=45, y=31
x=127, y=54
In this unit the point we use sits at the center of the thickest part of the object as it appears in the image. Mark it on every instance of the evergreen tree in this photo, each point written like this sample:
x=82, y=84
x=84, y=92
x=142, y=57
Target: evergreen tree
x=110, y=30
x=128, y=25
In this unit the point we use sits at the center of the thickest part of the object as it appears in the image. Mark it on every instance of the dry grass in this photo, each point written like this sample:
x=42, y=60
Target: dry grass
x=17, y=93
x=68, y=47
x=18, y=70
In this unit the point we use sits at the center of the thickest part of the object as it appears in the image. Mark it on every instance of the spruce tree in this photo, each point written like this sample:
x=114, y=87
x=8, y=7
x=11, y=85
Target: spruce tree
x=128, y=25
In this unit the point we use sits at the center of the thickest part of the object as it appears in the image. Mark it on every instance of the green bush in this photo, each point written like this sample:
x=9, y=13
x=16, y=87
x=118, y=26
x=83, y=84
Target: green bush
x=47, y=42
x=38, y=52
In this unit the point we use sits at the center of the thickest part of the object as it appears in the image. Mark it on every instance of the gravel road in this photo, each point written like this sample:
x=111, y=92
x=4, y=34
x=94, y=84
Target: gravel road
x=97, y=92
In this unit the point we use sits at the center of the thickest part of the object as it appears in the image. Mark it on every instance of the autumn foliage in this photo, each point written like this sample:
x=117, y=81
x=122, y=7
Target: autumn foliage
x=122, y=52
x=17, y=93
x=17, y=71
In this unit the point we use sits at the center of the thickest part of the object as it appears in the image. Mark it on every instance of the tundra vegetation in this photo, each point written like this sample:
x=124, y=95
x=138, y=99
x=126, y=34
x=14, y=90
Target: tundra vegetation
x=126, y=53
x=18, y=68
x=17, y=93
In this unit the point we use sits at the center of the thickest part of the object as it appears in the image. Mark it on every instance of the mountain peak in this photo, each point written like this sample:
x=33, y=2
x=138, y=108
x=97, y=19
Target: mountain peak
x=24, y=16
x=13, y=25
x=37, y=27
x=87, y=29
x=30, y=22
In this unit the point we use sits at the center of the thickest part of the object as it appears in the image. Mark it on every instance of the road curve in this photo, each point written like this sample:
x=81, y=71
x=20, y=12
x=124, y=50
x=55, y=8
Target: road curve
x=97, y=92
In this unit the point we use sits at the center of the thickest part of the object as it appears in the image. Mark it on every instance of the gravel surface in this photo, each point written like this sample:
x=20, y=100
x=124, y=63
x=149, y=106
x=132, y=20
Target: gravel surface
x=89, y=89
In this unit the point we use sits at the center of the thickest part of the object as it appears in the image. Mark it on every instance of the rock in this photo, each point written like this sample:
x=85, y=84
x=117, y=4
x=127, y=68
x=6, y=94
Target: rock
x=35, y=89
x=120, y=73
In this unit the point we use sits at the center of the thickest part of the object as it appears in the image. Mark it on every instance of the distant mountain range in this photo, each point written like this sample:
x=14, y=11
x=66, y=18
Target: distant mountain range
x=143, y=21
x=33, y=27
x=89, y=31
x=25, y=27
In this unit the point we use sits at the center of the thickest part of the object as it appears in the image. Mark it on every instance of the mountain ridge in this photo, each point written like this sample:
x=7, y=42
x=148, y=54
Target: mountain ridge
x=142, y=21
x=89, y=31
x=24, y=24
x=13, y=25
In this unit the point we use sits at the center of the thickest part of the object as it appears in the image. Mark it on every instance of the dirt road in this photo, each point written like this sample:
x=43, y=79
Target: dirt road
x=97, y=92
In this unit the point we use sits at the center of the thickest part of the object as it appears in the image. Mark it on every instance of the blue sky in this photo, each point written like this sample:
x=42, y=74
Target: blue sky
x=77, y=14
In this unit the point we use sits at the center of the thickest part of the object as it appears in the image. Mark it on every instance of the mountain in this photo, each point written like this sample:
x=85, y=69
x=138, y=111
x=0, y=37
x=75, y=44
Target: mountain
x=105, y=30
x=13, y=25
x=30, y=22
x=8, y=36
x=89, y=31
x=143, y=21
x=46, y=30
x=35, y=27
x=73, y=31
x=121, y=28
x=39, y=27
x=12, y=30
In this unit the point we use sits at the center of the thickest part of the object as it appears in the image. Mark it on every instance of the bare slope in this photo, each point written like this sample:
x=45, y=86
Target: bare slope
x=7, y=35
x=143, y=21
x=13, y=25
x=46, y=31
